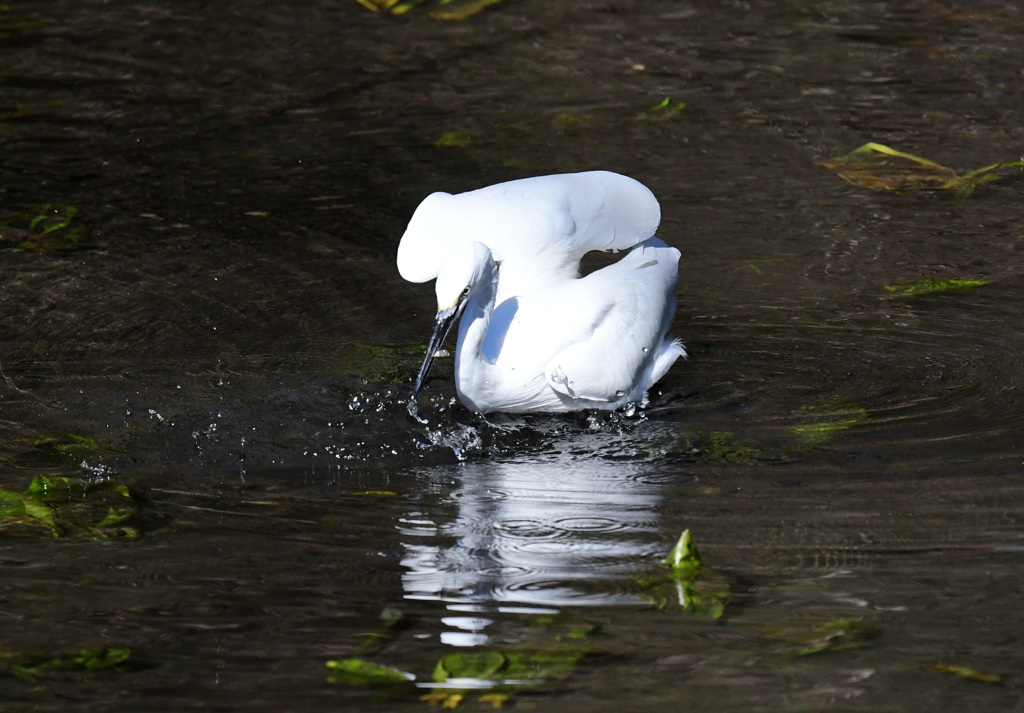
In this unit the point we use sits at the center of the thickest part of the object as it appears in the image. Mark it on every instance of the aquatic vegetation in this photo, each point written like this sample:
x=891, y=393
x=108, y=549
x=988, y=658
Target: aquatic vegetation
x=881, y=168
x=493, y=674
x=550, y=651
x=684, y=557
x=62, y=507
x=504, y=670
x=808, y=639
x=560, y=627
x=666, y=107
x=827, y=424
x=725, y=446
x=47, y=228
x=929, y=285
x=86, y=661
x=965, y=672
x=451, y=10
x=688, y=583
x=456, y=138
x=495, y=665
x=358, y=672
x=68, y=444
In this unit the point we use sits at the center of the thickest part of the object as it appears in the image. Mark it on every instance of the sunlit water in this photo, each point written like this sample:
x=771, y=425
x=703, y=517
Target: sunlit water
x=228, y=329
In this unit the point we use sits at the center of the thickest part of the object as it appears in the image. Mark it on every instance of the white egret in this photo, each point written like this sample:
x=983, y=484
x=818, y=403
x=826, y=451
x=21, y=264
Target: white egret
x=535, y=336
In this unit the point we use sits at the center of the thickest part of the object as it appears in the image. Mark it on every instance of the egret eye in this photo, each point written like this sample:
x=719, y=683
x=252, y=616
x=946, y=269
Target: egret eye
x=465, y=291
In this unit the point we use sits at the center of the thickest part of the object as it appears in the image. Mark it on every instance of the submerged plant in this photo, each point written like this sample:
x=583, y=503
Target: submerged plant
x=819, y=637
x=666, y=107
x=689, y=584
x=499, y=673
x=456, y=138
x=449, y=9
x=86, y=661
x=725, y=446
x=359, y=672
x=881, y=168
x=551, y=649
x=826, y=424
x=45, y=229
x=68, y=444
x=965, y=672
x=929, y=285
x=61, y=507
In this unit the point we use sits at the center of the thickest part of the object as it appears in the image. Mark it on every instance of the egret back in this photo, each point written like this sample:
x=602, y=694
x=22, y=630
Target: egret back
x=536, y=228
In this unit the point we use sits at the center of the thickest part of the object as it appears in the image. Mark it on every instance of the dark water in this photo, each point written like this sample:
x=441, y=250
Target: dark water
x=215, y=321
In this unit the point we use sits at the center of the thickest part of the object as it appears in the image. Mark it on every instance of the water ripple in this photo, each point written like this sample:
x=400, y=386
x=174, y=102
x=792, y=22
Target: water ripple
x=547, y=531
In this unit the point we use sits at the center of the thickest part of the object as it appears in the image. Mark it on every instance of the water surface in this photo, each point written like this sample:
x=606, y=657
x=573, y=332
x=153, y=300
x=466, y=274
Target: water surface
x=220, y=327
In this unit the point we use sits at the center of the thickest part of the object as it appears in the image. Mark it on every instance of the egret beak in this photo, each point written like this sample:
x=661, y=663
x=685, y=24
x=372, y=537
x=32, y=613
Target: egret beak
x=442, y=325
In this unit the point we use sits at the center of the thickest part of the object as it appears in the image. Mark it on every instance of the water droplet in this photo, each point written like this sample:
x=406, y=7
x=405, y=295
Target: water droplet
x=619, y=394
x=646, y=350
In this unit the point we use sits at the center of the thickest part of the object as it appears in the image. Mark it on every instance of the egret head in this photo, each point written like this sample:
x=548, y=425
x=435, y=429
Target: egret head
x=466, y=266
x=467, y=269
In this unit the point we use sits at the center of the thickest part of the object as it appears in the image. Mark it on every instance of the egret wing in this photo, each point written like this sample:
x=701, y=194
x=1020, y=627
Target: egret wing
x=628, y=327
x=534, y=227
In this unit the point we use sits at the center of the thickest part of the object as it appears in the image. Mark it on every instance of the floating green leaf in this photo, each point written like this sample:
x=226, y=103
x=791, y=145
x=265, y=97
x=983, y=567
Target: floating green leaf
x=684, y=557
x=689, y=585
x=881, y=168
x=965, y=672
x=929, y=285
x=26, y=510
x=43, y=485
x=358, y=672
x=115, y=516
